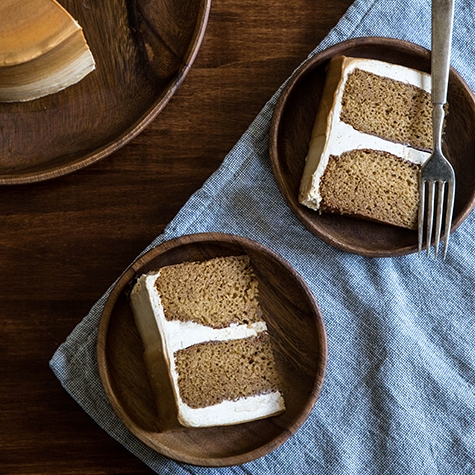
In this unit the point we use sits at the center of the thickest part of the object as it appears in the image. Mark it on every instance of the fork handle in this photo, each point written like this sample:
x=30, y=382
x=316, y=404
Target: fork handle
x=442, y=24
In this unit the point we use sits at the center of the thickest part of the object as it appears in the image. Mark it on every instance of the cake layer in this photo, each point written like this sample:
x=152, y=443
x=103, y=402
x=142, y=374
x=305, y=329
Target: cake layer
x=348, y=186
x=381, y=100
x=198, y=358
x=217, y=293
x=387, y=108
x=226, y=370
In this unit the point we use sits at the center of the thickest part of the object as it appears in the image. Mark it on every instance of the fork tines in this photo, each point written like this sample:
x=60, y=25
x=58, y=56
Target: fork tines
x=441, y=193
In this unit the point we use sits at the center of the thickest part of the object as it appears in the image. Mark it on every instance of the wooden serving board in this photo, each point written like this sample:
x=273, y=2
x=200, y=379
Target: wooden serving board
x=143, y=49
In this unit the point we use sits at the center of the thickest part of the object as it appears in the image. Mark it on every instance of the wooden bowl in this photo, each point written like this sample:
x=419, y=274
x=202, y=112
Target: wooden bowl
x=143, y=50
x=299, y=339
x=291, y=127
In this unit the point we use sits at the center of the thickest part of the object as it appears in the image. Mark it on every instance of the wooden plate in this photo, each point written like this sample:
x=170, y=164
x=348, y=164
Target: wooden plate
x=143, y=49
x=291, y=127
x=299, y=339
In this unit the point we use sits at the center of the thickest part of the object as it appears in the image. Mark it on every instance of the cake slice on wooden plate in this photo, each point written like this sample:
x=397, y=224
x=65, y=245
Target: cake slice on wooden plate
x=372, y=133
x=206, y=347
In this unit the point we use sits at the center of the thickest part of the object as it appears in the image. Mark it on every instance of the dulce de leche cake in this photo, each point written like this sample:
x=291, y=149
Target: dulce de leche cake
x=372, y=133
x=206, y=346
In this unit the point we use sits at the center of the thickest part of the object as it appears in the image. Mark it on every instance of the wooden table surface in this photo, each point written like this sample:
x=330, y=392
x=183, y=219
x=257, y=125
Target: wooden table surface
x=64, y=241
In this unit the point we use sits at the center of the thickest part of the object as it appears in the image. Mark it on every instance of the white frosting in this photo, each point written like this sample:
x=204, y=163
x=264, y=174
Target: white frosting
x=176, y=335
x=232, y=412
x=341, y=137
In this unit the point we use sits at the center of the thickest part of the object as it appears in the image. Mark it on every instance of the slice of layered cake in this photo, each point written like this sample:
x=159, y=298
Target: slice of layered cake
x=206, y=346
x=372, y=133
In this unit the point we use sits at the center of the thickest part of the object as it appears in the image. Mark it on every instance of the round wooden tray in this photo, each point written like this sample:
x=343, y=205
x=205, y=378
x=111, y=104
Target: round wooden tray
x=299, y=340
x=292, y=124
x=143, y=49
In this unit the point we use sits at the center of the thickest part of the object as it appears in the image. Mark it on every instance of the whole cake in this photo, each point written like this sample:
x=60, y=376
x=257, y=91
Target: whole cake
x=372, y=133
x=206, y=346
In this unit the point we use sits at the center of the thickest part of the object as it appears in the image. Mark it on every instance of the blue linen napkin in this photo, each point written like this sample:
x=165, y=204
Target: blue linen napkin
x=399, y=395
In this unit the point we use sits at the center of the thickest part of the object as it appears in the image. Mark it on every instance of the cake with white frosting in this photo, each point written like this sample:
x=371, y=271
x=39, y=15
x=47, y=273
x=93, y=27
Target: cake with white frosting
x=206, y=346
x=372, y=133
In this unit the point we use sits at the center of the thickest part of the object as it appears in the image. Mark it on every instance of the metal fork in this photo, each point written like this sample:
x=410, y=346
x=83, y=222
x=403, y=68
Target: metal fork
x=437, y=177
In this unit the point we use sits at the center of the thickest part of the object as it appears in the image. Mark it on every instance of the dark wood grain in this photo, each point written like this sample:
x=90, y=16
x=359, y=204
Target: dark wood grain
x=63, y=242
x=291, y=128
x=299, y=342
